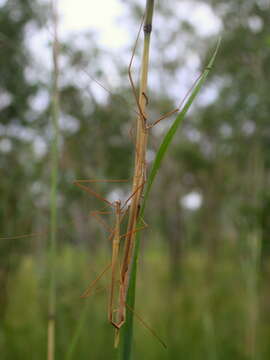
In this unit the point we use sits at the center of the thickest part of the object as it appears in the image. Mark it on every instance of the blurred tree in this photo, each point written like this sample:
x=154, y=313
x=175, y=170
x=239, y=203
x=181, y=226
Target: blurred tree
x=222, y=152
x=236, y=123
x=16, y=152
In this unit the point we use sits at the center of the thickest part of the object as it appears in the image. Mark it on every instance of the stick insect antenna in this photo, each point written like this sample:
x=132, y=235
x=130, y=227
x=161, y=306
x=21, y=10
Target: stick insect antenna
x=88, y=291
x=79, y=183
x=23, y=236
x=84, y=70
x=142, y=115
x=134, y=192
x=168, y=114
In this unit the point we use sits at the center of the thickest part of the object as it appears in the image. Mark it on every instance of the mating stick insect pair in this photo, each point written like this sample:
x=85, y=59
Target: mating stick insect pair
x=122, y=260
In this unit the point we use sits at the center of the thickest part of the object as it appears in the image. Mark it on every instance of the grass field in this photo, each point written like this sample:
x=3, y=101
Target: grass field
x=209, y=312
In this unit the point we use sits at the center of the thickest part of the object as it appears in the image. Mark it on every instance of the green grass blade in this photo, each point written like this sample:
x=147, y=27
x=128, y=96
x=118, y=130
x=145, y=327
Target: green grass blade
x=171, y=132
x=53, y=189
x=77, y=333
x=128, y=327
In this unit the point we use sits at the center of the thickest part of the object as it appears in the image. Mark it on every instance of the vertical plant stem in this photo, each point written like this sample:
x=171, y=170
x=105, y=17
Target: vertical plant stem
x=139, y=178
x=155, y=167
x=53, y=195
x=77, y=333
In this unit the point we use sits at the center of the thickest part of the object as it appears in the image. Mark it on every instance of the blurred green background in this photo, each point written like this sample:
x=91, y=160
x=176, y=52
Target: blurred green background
x=203, y=282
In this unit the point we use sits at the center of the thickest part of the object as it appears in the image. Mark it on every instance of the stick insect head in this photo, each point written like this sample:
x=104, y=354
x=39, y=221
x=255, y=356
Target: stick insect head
x=117, y=205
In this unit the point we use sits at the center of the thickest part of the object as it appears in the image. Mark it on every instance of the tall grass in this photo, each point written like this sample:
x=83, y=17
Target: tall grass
x=138, y=178
x=53, y=195
x=129, y=273
x=181, y=310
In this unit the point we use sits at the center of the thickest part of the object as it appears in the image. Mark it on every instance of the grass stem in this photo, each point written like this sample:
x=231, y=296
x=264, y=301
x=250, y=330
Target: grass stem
x=53, y=194
x=139, y=178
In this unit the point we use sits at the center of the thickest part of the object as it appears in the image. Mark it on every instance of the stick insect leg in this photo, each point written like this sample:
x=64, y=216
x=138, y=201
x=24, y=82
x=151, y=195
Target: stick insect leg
x=24, y=236
x=132, y=137
x=114, y=235
x=134, y=192
x=96, y=214
x=80, y=183
x=144, y=226
x=91, y=192
x=88, y=291
x=169, y=113
x=165, y=116
x=141, y=113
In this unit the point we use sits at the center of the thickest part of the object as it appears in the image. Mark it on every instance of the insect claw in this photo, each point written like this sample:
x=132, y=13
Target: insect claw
x=146, y=98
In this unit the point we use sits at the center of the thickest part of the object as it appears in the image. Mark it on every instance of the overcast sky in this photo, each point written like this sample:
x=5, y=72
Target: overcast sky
x=104, y=15
x=101, y=15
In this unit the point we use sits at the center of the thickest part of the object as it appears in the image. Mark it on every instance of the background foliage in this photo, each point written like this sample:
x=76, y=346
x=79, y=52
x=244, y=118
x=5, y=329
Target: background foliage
x=204, y=273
